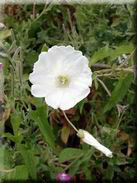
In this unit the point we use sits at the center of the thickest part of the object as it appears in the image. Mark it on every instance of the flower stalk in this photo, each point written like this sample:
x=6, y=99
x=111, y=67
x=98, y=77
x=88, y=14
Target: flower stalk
x=70, y=122
x=104, y=71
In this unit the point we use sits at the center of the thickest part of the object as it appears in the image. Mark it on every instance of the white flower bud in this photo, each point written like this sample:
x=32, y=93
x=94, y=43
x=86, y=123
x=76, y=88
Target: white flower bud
x=89, y=139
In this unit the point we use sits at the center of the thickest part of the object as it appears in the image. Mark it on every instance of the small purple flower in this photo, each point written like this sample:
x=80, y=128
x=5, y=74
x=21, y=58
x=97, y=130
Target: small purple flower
x=63, y=177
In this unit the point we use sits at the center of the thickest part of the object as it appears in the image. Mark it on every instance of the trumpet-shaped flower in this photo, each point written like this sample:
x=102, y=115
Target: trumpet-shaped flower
x=61, y=76
x=89, y=139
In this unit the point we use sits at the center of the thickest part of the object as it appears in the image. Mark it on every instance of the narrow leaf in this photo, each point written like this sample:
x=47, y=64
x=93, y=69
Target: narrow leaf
x=30, y=162
x=41, y=118
x=122, y=49
x=16, y=119
x=19, y=173
x=100, y=54
x=70, y=154
x=119, y=92
x=112, y=53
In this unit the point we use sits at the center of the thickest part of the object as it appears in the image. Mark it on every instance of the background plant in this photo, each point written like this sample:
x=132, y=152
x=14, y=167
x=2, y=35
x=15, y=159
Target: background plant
x=38, y=142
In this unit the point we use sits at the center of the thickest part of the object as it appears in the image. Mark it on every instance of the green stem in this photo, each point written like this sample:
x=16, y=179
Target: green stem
x=70, y=122
x=130, y=69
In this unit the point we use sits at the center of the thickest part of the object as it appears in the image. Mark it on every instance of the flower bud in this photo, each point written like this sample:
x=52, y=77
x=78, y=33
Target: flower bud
x=89, y=139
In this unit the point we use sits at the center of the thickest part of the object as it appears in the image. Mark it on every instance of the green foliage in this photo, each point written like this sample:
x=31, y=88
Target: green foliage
x=35, y=146
x=1, y=159
x=70, y=154
x=119, y=91
x=111, y=53
x=100, y=55
x=41, y=117
x=16, y=119
x=4, y=34
x=19, y=173
x=30, y=162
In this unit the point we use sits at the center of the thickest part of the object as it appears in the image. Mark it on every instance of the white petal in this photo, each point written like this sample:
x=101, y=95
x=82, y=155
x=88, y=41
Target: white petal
x=41, y=78
x=64, y=50
x=68, y=60
x=54, y=98
x=76, y=65
x=89, y=139
x=81, y=82
x=38, y=90
x=43, y=64
x=71, y=97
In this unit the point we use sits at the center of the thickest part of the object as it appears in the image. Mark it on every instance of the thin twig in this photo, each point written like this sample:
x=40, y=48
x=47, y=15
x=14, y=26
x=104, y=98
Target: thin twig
x=60, y=164
x=100, y=66
x=101, y=75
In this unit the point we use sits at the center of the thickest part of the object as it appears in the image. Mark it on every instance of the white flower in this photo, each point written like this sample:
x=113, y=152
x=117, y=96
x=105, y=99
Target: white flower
x=62, y=76
x=89, y=139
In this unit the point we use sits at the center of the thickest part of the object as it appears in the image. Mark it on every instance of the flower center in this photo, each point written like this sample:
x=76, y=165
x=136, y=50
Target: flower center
x=62, y=81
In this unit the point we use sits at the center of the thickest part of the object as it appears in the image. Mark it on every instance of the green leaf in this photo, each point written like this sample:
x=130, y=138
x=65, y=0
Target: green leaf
x=38, y=102
x=112, y=53
x=100, y=54
x=2, y=149
x=65, y=132
x=87, y=155
x=109, y=172
x=19, y=173
x=86, y=171
x=9, y=136
x=16, y=120
x=78, y=163
x=4, y=34
x=31, y=57
x=70, y=154
x=119, y=50
x=119, y=91
x=44, y=48
x=41, y=118
x=74, y=168
x=30, y=162
x=6, y=162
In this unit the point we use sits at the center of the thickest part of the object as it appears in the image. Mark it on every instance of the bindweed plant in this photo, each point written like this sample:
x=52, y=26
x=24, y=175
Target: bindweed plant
x=81, y=83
